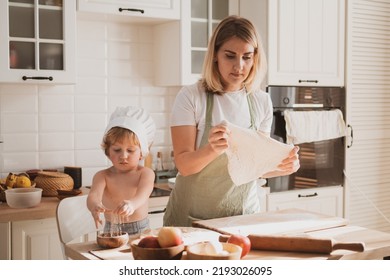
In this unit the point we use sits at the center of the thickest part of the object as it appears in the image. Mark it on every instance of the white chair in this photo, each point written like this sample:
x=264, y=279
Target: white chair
x=74, y=221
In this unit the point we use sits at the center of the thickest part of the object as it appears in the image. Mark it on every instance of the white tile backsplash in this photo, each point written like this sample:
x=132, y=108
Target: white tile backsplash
x=56, y=159
x=55, y=103
x=46, y=126
x=58, y=141
x=56, y=122
x=88, y=140
x=17, y=123
x=87, y=122
x=91, y=85
x=20, y=142
x=90, y=104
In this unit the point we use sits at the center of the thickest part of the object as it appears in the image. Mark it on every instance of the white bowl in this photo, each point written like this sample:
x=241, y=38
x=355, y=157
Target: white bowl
x=23, y=197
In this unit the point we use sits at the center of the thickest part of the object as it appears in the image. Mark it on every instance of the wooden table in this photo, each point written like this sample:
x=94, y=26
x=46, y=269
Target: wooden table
x=377, y=244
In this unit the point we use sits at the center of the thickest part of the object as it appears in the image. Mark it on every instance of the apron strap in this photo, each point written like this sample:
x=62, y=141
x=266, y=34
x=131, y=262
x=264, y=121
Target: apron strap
x=209, y=117
x=249, y=98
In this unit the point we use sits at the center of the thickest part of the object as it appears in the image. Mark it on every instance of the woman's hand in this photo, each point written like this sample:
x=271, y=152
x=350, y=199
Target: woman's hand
x=218, y=138
x=288, y=166
x=291, y=163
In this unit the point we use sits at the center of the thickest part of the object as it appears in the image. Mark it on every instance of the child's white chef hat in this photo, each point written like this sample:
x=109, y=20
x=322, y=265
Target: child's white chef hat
x=136, y=120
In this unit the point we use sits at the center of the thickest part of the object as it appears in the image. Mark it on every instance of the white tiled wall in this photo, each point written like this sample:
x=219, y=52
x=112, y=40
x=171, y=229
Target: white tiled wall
x=55, y=126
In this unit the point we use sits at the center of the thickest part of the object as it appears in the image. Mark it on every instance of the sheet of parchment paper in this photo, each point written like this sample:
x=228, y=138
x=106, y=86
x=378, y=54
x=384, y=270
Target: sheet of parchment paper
x=252, y=154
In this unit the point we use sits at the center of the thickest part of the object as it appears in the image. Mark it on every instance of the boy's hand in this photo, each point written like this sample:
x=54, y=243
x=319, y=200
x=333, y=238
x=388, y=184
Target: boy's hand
x=99, y=208
x=125, y=209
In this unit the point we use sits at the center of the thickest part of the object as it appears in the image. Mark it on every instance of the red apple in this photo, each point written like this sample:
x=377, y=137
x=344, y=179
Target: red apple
x=242, y=241
x=149, y=242
x=170, y=236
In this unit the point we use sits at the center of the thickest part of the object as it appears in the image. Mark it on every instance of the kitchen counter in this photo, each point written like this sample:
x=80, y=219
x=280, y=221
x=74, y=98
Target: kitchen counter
x=377, y=246
x=47, y=207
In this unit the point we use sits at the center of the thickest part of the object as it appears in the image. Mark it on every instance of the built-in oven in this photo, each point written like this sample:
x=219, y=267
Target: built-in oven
x=321, y=162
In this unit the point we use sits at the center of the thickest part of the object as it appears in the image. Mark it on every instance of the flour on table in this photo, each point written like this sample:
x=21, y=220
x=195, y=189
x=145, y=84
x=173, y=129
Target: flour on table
x=252, y=154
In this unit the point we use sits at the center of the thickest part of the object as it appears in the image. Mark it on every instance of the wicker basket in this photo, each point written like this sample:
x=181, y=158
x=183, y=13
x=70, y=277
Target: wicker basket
x=50, y=182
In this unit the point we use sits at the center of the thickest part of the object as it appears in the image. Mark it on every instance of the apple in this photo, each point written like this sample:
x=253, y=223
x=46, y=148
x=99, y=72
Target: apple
x=170, y=236
x=149, y=242
x=242, y=241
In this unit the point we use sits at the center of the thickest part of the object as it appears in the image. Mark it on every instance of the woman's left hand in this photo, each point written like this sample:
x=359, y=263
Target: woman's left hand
x=290, y=164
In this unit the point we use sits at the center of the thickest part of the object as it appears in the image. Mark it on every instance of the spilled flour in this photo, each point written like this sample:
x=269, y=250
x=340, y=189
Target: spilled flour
x=251, y=154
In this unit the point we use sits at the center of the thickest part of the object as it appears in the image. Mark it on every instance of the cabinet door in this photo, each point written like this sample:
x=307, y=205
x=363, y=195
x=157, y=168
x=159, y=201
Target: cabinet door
x=5, y=241
x=306, y=42
x=37, y=41
x=157, y=9
x=327, y=200
x=156, y=211
x=36, y=240
x=180, y=47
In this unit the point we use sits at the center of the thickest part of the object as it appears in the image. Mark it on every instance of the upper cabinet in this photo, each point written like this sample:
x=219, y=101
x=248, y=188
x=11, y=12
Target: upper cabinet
x=133, y=10
x=306, y=42
x=37, y=41
x=180, y=47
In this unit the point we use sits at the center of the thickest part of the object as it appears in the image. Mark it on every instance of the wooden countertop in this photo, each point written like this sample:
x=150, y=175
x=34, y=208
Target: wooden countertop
x=377, y=247
x=46, y=209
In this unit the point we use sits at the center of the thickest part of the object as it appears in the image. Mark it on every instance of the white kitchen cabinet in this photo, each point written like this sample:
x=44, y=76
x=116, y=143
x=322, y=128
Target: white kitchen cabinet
x=180, y=47
x=35, y=240
x=37, y=41
x=367, y=163
x=156, y=211
x=5, y=238
x=133, y=9
x=325, y=200
x=306, y=42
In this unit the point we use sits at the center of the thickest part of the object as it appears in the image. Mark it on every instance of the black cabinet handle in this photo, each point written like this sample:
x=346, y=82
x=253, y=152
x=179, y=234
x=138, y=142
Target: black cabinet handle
x=157, y=211
x=131, y=10
x=50, y=78
x=308, y=81
x=308, y=195
x=350, y=145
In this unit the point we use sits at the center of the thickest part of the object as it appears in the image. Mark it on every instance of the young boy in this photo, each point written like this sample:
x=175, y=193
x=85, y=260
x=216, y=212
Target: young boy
x=122, y=191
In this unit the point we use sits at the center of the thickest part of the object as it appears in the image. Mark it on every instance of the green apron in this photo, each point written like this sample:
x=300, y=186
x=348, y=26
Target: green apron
x=210, y=193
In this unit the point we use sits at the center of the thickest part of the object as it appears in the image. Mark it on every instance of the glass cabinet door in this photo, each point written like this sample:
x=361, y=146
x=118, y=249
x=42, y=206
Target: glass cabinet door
x=205, y=16
x=36, y=39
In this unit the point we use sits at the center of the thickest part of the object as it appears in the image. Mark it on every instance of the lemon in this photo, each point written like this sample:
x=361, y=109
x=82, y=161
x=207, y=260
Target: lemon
x=23, y=181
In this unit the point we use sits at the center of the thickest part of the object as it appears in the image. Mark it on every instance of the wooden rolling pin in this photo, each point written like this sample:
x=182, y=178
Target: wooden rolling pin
x=298, y=244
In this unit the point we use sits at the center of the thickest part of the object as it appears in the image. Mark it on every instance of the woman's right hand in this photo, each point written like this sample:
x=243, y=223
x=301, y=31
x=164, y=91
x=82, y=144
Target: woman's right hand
x=218, y=138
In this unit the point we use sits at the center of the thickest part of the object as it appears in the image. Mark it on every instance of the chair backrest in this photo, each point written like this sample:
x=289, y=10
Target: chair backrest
x=74, y=220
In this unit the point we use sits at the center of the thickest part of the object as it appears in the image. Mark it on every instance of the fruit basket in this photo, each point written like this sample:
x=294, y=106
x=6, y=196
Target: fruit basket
x=21, y=180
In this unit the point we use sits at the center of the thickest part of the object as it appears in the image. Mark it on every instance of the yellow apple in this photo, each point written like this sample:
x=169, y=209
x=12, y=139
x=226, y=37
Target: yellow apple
x=169, y=237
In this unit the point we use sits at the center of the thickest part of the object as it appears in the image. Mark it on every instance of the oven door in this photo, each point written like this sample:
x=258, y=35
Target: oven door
x=322, y=162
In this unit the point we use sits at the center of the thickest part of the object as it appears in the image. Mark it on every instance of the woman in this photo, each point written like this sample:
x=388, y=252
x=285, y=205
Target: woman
x=229, y=90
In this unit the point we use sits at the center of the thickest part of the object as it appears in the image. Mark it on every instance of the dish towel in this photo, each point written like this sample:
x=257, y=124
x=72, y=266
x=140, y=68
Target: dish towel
x=311, y=126
x=252, y=154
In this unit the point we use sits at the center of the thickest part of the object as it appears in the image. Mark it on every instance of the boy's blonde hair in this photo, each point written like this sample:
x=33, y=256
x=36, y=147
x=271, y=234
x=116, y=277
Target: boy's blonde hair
x=118, y=134
x=233, y=26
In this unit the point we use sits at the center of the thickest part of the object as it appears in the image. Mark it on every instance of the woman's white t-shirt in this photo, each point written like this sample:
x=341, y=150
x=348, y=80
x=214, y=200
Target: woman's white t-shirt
x=189, y=108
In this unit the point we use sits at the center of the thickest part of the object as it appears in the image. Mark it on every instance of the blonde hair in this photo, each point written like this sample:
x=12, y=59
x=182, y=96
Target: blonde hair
x=118, y=134
x=233, y=26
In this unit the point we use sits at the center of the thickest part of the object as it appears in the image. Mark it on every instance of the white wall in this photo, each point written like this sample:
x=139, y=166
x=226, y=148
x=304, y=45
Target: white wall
x=62, y=125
